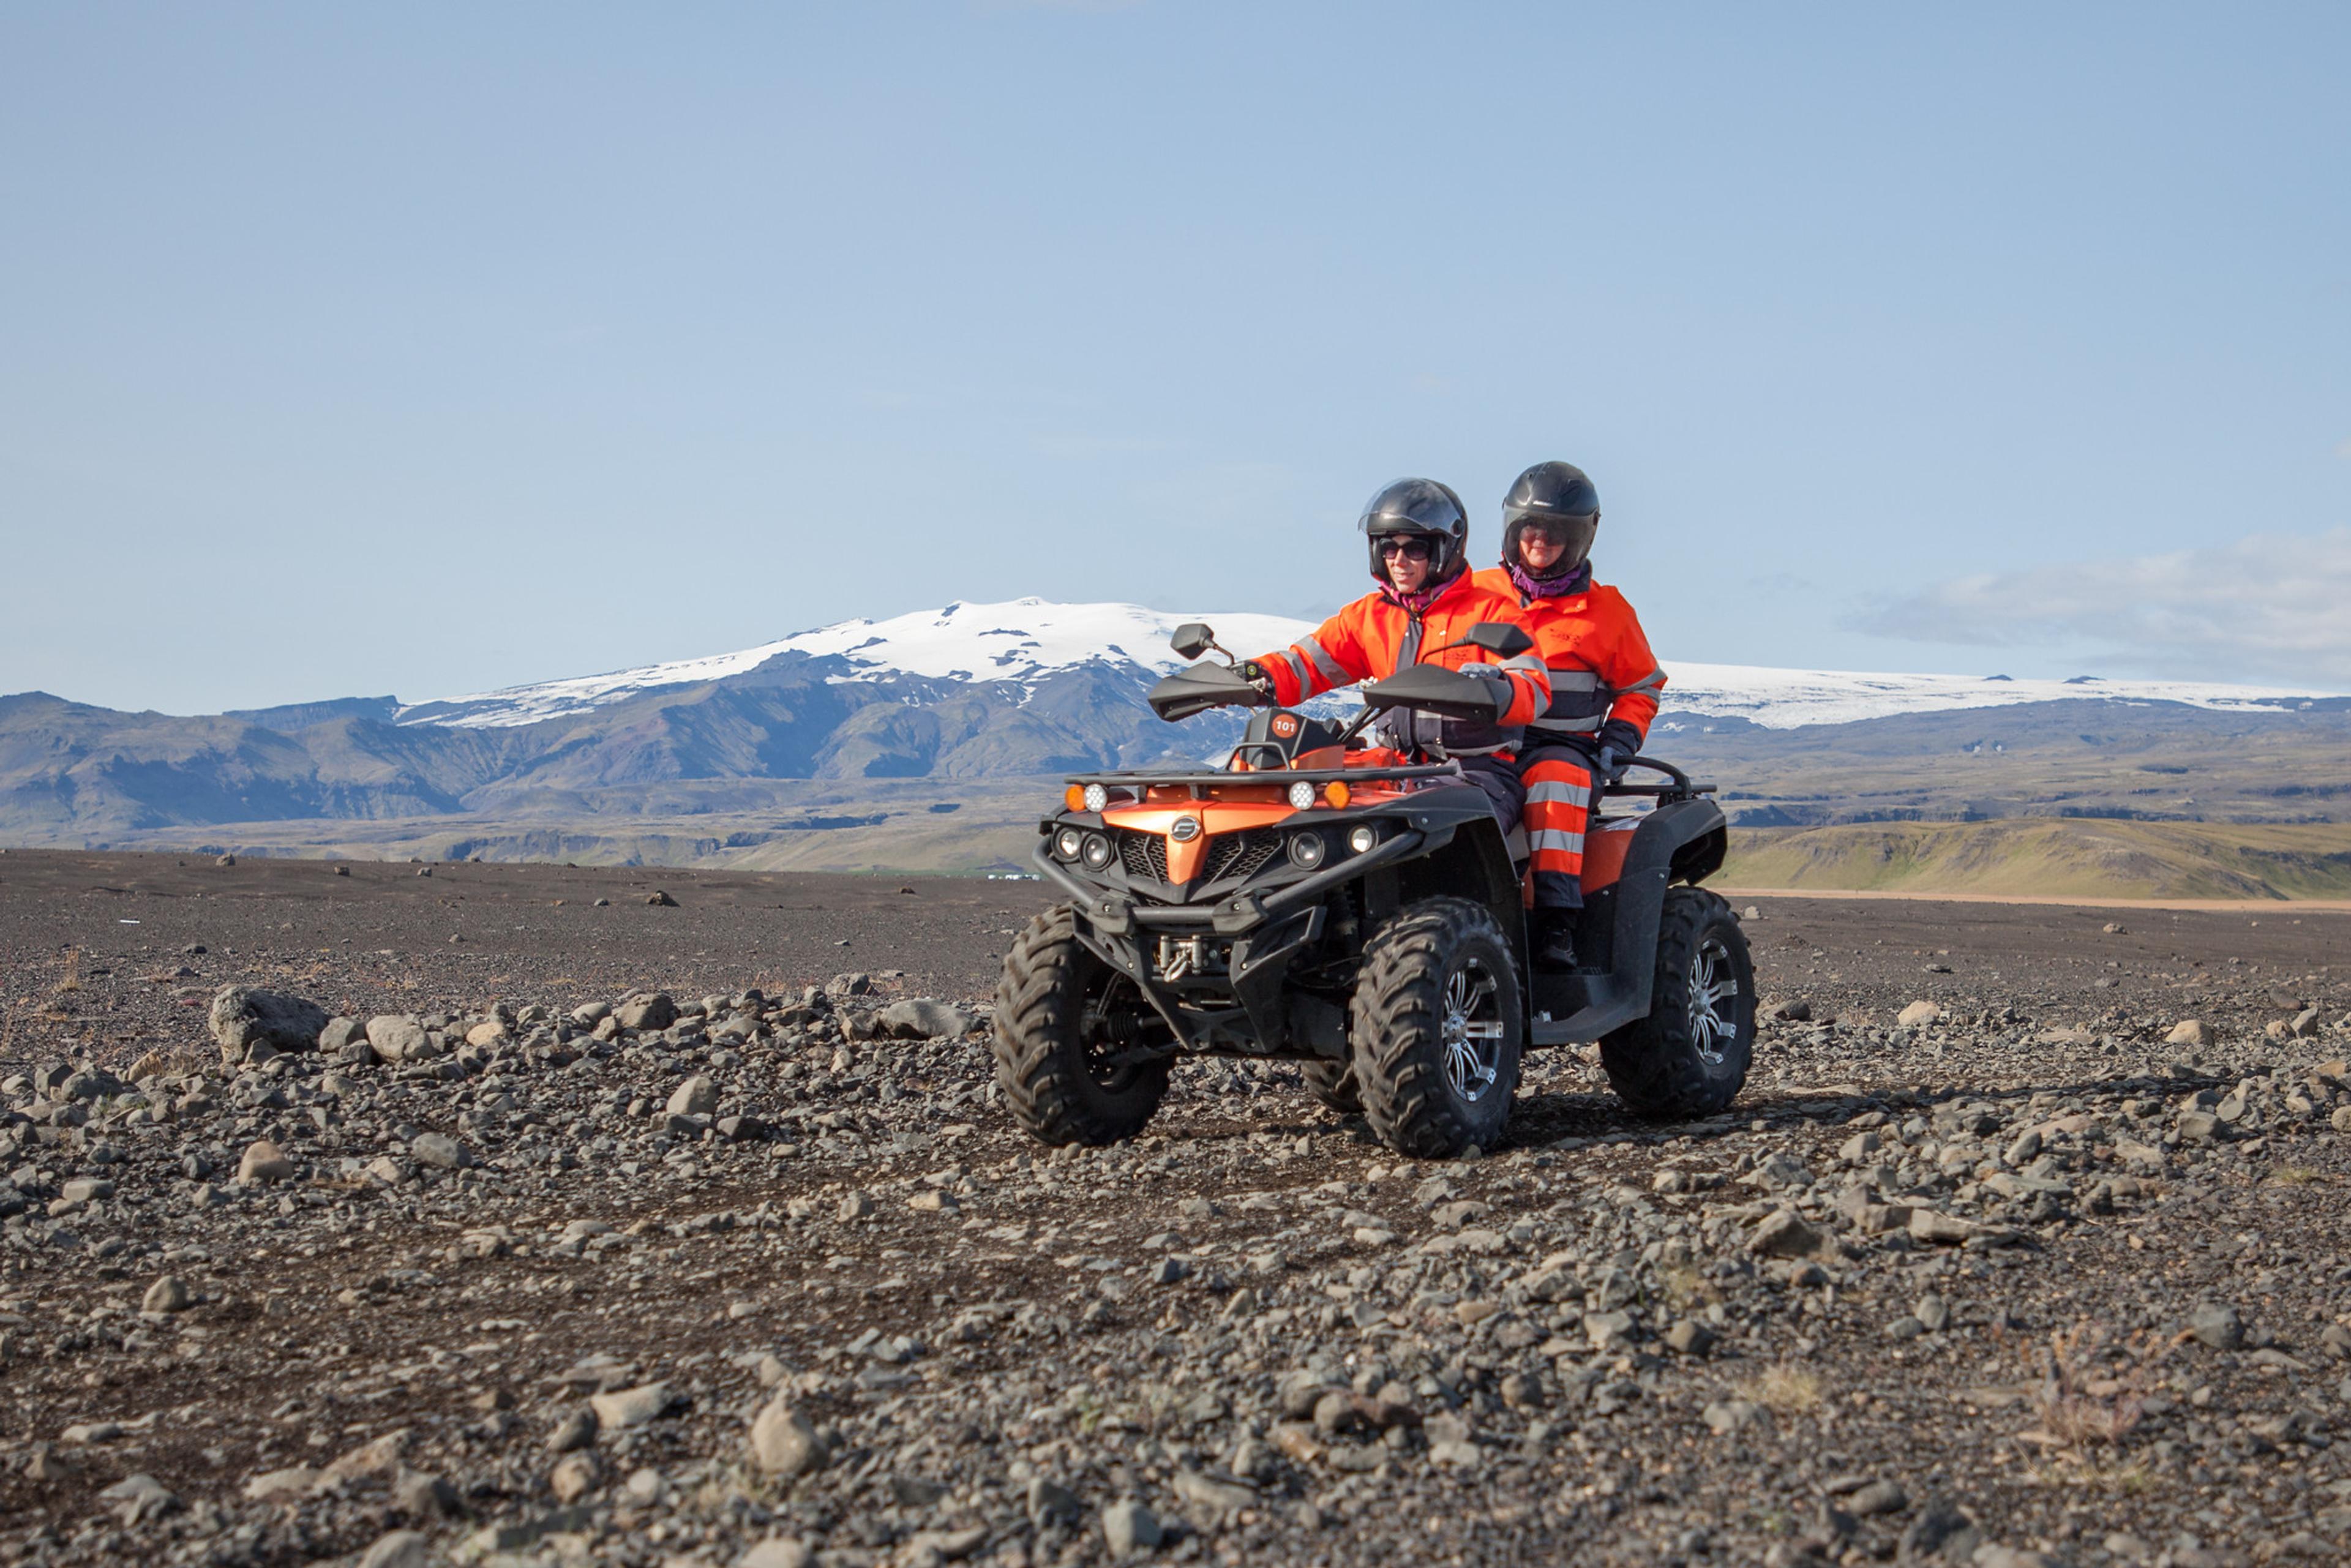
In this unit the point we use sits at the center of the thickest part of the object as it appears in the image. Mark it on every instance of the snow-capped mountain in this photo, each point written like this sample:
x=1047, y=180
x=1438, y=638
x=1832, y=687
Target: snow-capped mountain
x=1027, y=639
x=970, y=694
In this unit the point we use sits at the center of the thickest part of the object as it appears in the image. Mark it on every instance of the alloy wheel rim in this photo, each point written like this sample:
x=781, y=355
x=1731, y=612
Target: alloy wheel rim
x=1713, y=1001
x=1472, y=1032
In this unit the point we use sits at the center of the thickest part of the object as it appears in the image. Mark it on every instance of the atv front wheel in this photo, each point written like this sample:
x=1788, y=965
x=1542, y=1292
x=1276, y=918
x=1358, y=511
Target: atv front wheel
x=1437, y=1030
x=1063, y=1079
x=1688, y=1058
x=1333, y=1083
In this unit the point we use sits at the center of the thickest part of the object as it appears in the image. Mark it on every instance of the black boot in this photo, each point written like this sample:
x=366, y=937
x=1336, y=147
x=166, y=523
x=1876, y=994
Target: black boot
x=1554, y=940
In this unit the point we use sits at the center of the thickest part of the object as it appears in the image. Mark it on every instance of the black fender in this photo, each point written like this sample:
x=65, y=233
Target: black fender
x=1684, y=840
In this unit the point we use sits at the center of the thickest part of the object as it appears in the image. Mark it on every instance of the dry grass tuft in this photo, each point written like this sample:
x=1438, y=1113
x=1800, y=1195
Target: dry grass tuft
x=1684, y=1286
x=70, y=980
x=2081, y=1405
x=2298, y=1175
x=1786, y=1388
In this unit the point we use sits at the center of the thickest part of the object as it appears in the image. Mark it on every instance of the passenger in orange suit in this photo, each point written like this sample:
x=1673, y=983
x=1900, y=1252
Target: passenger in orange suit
x=1426, y=601
x=1603, y=685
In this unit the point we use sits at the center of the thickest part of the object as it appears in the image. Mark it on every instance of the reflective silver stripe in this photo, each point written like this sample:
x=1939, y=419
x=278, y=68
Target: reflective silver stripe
x=1526, y=662
x=1323, y=661
x=1567, y=726
x=1479, y=750
x=1298, y=667
x=1563, y=794
x=1655, y=680
x=1553, y=838
x=1574, y=681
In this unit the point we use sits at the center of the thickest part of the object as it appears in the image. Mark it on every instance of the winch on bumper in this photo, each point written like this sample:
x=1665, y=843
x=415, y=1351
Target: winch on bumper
x=1212, y=954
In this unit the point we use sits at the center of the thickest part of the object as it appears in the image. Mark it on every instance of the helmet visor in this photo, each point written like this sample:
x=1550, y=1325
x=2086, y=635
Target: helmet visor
x=1570, y=535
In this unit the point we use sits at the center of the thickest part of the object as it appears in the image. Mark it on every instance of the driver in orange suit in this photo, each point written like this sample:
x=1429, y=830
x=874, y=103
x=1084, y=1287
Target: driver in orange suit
x=1426, y=601
x=1605, y=682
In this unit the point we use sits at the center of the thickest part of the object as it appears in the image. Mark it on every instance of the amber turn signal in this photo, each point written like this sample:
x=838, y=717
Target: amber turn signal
x=1074, y=797
x=1337, y=793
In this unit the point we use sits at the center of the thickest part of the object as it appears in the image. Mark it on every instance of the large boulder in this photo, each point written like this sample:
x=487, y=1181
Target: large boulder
x=655, y=1010
x=244, y=1018
x=922, y=1019
x=396, y=1037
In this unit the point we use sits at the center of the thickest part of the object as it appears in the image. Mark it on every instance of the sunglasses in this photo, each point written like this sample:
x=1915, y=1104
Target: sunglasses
x=1410, y=549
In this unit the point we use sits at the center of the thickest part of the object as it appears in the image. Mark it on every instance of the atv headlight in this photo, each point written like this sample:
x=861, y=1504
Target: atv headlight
x=1306, y=850
x=1066, y=843
x=1363, y=837
x=1302, y=795
x=1096, y=796
x=1096, y=852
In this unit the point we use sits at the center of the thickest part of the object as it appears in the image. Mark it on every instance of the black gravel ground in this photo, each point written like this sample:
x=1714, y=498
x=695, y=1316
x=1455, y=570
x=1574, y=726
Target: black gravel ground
x=2022, y=1282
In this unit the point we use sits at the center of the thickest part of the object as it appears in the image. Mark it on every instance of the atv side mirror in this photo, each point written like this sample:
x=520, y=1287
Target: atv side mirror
x=1500, y=638
x=1192, y=639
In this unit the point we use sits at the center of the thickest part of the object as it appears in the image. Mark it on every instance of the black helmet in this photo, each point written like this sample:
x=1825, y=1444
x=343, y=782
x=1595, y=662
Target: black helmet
x=1558, y=493
x=1419, y=506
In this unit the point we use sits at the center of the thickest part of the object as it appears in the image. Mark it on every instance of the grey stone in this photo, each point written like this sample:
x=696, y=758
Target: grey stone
x=1728, y=1416
x=922, y=1019
x=338, y=1034
x=696, y=1096
x=398, y=1549
x=140, y=1499
x=1212, y=1495
x=1608, y=1331
x=626, y=1407
x=1050, y=1502
x=777, y=1551
x=424, y=1496
x=1783, y=1234
x=442, y=1150
x=784, y=1441
x=168, y=1294
x=1877, y=1496
x=264, y=1161
x=396, y=1037
x=576, y=1430
x=1934, y=1314
x=242, y=1016
x=1128, y=1526
x=574, y=1477
x=2217, y=1324
x=1689, y=1337
x=655, y=1010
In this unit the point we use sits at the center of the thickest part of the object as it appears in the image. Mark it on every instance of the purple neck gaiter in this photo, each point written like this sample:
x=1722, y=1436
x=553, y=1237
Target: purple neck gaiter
x=1415, y=603
x=1558, y=587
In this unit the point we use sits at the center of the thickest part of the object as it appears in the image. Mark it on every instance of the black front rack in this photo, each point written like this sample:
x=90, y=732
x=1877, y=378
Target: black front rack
x=1220, y=779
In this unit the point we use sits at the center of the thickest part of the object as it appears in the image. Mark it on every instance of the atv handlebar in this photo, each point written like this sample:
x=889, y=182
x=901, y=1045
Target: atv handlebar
x=1199, y=687
x=1449, y=694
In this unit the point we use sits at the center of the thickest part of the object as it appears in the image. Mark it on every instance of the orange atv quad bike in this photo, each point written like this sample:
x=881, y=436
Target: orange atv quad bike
x=1359, y=911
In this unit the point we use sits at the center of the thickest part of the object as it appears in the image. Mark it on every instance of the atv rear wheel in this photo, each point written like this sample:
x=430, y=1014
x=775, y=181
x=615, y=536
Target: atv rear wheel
x=1437, y=1030
x=1688, y=1058
x=1333, y=1083
x=1065, y=1082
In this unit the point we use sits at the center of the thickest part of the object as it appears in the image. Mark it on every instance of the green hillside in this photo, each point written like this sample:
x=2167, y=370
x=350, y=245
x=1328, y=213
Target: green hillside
x=2048, y=857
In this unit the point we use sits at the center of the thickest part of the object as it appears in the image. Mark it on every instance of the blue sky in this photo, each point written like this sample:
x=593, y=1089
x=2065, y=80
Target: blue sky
x=427, y=349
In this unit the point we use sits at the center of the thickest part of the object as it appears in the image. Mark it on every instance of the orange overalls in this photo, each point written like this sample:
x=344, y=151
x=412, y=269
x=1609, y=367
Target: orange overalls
x=1603, y=692
x=1377, y=636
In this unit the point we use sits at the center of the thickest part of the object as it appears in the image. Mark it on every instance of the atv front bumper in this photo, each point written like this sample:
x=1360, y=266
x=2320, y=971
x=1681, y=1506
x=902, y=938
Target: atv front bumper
x=1224, y=989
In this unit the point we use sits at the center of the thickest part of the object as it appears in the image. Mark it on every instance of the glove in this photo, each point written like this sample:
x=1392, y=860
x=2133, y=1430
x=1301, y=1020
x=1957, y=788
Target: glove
x=1254, y=674
x=1619, y=744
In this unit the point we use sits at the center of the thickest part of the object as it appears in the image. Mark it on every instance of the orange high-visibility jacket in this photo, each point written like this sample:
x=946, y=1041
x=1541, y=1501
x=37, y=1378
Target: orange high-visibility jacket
x=1600, y=663
x=1375, y=636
